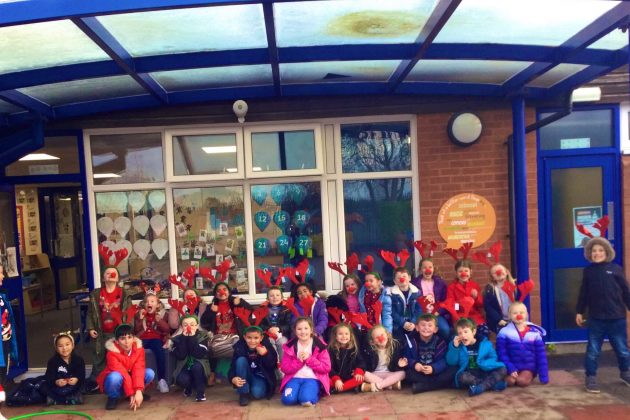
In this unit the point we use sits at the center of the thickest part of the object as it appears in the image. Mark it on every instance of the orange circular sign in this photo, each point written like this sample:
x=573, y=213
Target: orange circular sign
x=466, y=218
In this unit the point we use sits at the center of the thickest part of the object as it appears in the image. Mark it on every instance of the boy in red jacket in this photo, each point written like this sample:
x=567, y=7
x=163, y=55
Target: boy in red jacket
x=125, y=370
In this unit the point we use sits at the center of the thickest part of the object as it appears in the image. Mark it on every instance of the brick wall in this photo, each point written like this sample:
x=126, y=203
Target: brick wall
x=447, y=170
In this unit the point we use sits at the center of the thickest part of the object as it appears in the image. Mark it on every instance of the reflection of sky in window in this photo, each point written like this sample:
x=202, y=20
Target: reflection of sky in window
x=299, y=151
x=189, y=157
x=98, y=160
x=142, y=164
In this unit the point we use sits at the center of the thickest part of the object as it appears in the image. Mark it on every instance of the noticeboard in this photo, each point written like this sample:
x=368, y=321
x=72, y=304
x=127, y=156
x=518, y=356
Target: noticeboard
x=465, y=218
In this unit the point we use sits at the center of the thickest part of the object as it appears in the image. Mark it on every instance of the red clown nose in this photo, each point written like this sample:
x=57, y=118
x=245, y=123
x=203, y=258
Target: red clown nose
x=428, y=271
x=188, y=329
x=499, y=272
x=112, y=274
x=381, y=338
x=222, y=292
x=519, y=317
x=352, y=289
x=463, y=275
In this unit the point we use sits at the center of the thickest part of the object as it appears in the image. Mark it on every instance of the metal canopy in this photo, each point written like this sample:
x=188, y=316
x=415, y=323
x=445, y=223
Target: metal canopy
x=66, y=58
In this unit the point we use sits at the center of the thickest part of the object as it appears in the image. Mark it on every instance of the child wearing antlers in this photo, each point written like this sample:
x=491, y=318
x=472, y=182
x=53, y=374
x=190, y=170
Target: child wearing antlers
x=501, y=291
x=189, y=347
x=276, y=318
x=107, y=306
x=309, y=303
x=605, y=294
x=192, y=303
x=151, y=326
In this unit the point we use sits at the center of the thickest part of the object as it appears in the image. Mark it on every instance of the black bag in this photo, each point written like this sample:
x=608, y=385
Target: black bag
x=27, y=393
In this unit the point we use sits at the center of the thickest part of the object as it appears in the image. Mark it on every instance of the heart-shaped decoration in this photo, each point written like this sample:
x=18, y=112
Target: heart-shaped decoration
x=284, y=242
x=262, y=246
x=111, y=245
x=111, y=202
x=142, y=247
x=122, y=225
x=160, y=248
x=141, y=224
x=281, y=218
x=278, y=193
x=301, y=218
x=259, y=194
x=157, y=199
x=262, y=220
x=298, y=193
x=158, y=224
x=136, y=200
x=467, y=304
x=105, y=225
x=123, y=243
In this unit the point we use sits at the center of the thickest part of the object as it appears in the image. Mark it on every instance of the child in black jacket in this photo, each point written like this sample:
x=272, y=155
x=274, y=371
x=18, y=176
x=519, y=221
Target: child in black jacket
x=253, y=366
x=190, y=350
x=65, y=373
x=347, y=366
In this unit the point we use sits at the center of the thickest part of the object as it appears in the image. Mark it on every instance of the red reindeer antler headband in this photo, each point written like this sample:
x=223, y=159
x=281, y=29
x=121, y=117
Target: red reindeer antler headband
x=391, y=258
x=464, y=249
x=150, y=290
x=484, y=257
x=601, y=225
x=422, y=248
x=107, y=255
x=352, y=264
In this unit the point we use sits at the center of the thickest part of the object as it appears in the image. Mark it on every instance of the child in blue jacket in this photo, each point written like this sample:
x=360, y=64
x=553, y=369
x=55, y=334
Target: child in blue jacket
x=405, y=307
x=479, y=368
x=371, y=292
x=522, y=349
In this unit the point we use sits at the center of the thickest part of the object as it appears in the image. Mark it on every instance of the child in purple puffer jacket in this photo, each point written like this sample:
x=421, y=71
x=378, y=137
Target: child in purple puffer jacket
x=522, y=349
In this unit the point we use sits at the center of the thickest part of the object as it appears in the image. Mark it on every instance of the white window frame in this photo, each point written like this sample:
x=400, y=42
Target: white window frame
x=328, y=172
x=168, y=149
x=255, y=129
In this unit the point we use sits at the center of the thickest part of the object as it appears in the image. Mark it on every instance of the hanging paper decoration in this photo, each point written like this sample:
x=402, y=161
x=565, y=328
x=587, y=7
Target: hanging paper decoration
x=142, y=247
x=262, y=220
x=304, y=245
x=157, y=199
x=301, y=218
x=160, y=248
x=262, y=246
x=158, y=224
x=114, y=202
x=281, y=219
x=298, y=193
x=284, y=242
x=136, y=200
x=278, y=193
x=105, y=225
x=122, y=225
x=110, y=245
x=123, y=243
x=259, y=194
x=141, y=224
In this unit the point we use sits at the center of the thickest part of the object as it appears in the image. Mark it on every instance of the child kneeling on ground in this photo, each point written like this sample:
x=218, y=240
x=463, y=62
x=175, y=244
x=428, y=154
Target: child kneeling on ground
x=65, y=373
x=427, y=369
x=193, y=367
x=305, y=364
x=253, y=366
x=125, y=369
x=479, y=369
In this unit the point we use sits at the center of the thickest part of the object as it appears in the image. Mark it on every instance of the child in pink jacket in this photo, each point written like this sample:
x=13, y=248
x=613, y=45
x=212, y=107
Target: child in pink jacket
x=306, y=366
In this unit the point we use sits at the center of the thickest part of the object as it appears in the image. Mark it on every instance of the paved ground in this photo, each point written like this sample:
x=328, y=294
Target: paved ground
x=563, y=398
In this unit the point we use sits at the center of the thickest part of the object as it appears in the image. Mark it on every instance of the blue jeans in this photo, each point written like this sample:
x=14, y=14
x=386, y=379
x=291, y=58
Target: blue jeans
x=195, y=377
x=300, y=390
x=598, y=329
x=444, y=329
x=255, y=385
x=114, y=382
x=155, y=345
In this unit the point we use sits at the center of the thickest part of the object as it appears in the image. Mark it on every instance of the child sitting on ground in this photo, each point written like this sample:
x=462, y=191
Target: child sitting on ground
x=522, y=349
x=347, y=366
x=384, y=361
x=151, y=326
x=65, y=373
x=305, y=364
x=193, y=368
x=478, y=367
x=125, y=369
x=253, y=366
x=427, y=369
x=606, y=296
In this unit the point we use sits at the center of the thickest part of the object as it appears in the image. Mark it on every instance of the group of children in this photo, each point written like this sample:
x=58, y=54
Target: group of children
x=367, y=338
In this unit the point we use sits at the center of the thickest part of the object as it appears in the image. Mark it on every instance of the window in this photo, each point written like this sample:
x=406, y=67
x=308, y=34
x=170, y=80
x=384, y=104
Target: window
x=287, y=227
x=210, y=228
x=137, y=221
x=375, y=147
x=578, y=130
x=59, y=155
x=127, y=158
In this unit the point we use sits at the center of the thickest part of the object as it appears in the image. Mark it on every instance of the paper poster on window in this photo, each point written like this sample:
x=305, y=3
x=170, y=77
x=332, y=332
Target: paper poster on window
x=586, y=216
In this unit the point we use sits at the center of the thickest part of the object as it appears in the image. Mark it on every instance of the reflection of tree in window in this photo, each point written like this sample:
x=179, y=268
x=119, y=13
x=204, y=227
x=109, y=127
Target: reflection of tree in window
x=375, y=148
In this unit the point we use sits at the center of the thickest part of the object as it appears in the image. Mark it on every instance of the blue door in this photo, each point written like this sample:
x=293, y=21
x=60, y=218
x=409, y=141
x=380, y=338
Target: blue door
x=578, y=188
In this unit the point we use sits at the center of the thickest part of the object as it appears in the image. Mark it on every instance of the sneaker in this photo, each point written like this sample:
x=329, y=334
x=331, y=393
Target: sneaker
x=200, y=397
x=307, y=404
x=417, y=388
x=366, y=387
x=499, y=386
x=475, y=390
x=162, y=386
x=397, y=386
x=591, y=385
x=625, y=377
x=50, y=401
x=243, y=399
x=111, y=403
x=187, y=392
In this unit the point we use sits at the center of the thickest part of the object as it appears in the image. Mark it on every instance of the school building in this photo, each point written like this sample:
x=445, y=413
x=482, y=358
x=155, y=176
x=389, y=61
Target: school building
x=263, y=132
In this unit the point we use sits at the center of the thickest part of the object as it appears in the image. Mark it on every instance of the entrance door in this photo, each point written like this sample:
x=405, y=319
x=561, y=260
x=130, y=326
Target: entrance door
x=573, y=189
x=63, y=239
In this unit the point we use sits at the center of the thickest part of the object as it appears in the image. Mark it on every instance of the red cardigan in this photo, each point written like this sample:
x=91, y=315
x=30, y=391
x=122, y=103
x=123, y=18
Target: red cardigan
x=131, y=366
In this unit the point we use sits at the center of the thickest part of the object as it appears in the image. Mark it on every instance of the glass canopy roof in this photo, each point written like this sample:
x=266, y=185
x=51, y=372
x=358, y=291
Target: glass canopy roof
x=63, y=58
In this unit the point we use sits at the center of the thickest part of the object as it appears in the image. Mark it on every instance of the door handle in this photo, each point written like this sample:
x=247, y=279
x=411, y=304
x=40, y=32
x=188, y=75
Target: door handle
x=610, y=208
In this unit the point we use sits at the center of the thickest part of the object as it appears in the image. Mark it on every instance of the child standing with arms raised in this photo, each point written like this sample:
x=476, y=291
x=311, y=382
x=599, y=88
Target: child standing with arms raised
x=606, y=296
